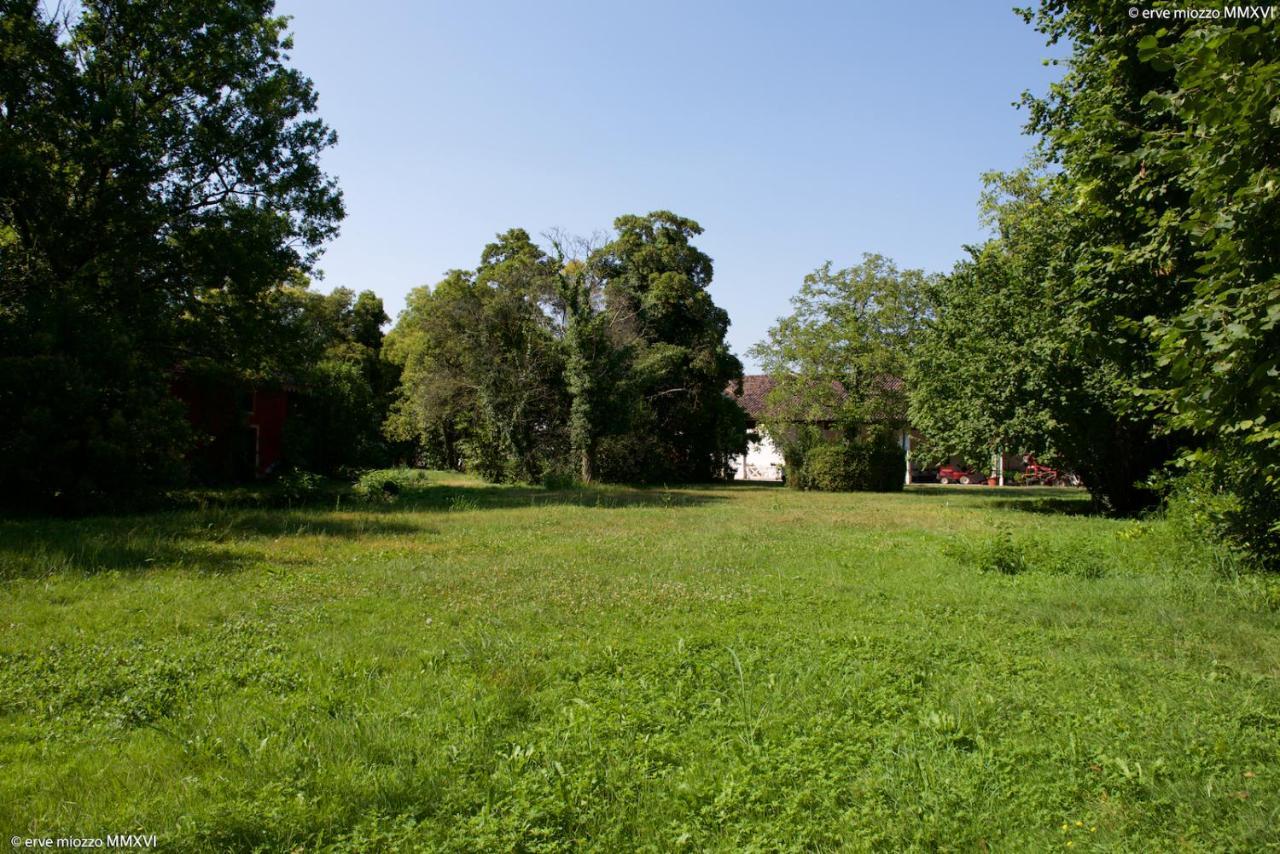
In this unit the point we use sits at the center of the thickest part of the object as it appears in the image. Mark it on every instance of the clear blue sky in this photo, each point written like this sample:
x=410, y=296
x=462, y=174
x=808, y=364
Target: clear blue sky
x=793, y=132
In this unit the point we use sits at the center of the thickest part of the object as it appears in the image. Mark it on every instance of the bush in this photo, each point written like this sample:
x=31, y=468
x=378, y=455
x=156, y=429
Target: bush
x=830, y=468
x=386, y=485
x=299, y=485
x=376, y=487
x=1227, y=503
x=873, y=466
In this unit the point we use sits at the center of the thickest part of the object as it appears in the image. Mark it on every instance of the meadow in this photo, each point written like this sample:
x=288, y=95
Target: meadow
x=472, y=667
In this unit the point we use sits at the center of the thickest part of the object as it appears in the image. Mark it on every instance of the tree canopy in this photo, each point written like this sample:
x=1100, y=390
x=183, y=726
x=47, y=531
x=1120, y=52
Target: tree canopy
x=1125, y=315
x=839, y=359
x=603, y=360
x=160, y=181
x=848, y=338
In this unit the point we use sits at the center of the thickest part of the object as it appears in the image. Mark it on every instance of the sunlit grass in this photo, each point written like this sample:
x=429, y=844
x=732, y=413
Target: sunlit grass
x=477, y=667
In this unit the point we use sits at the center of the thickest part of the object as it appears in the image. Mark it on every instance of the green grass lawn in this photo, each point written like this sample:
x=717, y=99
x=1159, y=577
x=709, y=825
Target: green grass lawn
x=473, y=667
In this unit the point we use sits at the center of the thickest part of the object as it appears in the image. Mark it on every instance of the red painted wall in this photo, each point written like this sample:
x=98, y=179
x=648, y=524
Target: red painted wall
x=269, y=408
x=239, y=432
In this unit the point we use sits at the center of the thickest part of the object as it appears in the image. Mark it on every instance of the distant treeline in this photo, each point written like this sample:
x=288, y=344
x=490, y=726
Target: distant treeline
x=162, y=205
x=585, y=362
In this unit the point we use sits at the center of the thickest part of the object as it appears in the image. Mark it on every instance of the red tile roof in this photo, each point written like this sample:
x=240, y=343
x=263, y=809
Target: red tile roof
x=755, y=393
x=756, y=387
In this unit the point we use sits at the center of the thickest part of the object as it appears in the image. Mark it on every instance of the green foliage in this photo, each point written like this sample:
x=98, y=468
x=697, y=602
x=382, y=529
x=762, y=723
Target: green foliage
x=299, y=485
x=1220, y=353
x=1001, y=554
x=838, y=362
x=478, y=667
x=609, y=361
x=342, y=386
x=594, y=360
x=1227, y=500
x=385, y=486
x=679, y=364
x=557, y=481
x=1168, y=137
x=982, y=375
x=873, y=465
x=160, y=180
x=1010, y=551
x=482, y=368
x=840, y=357
x=1019, y=356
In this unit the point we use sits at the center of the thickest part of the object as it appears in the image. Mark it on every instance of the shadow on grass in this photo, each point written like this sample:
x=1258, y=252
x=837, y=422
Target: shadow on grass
x=210, y=542
x=430, y=493
x=1076, y=506
x=224, y=537
x=450, y=497
x=1050, y=500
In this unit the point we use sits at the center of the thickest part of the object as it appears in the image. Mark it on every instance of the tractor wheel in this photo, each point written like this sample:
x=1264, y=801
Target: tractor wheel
x=965, y=479
x=944, y=480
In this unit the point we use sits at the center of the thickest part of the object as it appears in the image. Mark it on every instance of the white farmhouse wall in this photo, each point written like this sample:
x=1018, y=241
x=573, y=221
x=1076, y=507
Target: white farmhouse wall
x=762, y=462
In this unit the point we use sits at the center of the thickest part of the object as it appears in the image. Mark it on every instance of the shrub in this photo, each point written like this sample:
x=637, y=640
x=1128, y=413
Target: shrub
x=872, y=466
x=386, y=485
x=1226, y=501
x=830, y=468
x=376, y=486
x=299, y=485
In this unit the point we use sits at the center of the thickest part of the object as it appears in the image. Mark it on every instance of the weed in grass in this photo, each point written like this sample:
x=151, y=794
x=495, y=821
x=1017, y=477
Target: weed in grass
x=999, y=553
x=462, y=503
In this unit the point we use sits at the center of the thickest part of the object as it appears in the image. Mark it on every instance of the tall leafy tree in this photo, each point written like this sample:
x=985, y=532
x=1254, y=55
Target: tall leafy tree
x=594, y=356
x=331, y=352
x=681, y=425
x=1090, y=127
x=1167, y=131
x=434, y=406
x=517, y=364
x=482, y=366
x=159, y=179
x=1012, y=358
x=840, y=357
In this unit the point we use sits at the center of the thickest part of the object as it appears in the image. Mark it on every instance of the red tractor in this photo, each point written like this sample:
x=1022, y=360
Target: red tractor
x=955, y=474
x=1037, y=475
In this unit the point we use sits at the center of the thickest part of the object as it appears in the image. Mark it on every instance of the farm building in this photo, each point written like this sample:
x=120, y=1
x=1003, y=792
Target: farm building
x=239, y=426
x=763, y=460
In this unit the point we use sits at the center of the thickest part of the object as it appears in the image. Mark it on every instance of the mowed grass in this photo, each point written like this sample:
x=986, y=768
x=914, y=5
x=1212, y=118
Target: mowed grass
x=736, y=667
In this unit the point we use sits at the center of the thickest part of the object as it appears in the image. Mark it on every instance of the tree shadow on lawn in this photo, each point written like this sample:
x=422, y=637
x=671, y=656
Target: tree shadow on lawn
x=208, y=542
x=1049, y=500
x=225, y=538
x=449, y=497
x=431, y=494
